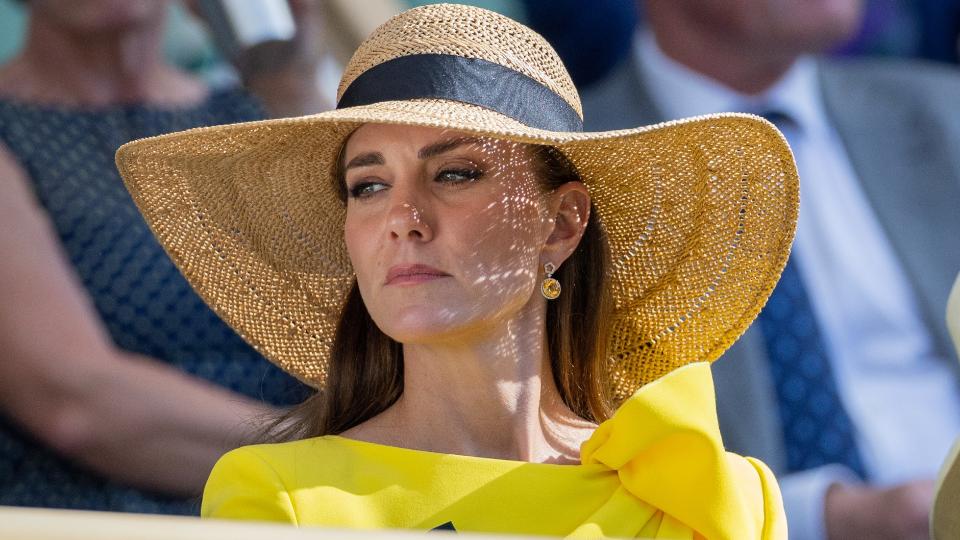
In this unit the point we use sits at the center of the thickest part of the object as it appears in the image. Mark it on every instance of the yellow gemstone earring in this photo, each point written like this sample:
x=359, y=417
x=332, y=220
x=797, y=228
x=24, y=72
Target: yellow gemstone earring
x=550, y=287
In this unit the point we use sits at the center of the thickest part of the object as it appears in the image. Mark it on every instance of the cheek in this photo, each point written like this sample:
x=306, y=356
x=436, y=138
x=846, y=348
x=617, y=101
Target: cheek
x=506, y=241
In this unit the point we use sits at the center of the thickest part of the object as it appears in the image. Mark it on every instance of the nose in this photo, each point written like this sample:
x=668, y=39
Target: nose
x=408, y=221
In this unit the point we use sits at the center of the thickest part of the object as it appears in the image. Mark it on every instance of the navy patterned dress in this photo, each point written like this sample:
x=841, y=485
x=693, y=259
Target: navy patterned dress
x=146, y=305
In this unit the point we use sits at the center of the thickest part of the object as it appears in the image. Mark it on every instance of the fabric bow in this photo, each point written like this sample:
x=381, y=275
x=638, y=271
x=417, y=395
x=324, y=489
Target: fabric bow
x=665, y=444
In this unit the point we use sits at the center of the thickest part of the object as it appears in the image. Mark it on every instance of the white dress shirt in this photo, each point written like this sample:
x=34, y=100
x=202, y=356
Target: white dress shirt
x=904, y=402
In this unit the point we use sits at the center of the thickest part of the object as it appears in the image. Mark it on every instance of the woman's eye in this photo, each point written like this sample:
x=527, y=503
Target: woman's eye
x=366, y=189
x=458, y=176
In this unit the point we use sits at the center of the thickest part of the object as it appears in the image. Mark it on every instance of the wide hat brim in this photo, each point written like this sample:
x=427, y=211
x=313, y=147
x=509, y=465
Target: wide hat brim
x=699, y=214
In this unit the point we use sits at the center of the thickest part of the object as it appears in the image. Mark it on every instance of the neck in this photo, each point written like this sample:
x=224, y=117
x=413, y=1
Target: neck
x=62, y=66
x=713, y=55
x=491, y=396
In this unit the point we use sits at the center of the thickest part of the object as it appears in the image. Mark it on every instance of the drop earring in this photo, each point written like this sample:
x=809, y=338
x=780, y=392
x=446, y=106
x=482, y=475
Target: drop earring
x=550, y=287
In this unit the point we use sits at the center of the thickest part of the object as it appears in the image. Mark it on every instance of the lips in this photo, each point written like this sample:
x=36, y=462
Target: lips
x=412, y=274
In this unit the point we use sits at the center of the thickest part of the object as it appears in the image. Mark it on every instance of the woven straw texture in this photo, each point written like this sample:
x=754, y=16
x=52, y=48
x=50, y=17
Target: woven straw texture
x=700, y=215
x=468, y=32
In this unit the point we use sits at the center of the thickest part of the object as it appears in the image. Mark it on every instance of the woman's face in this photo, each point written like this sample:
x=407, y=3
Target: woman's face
x=444, y=230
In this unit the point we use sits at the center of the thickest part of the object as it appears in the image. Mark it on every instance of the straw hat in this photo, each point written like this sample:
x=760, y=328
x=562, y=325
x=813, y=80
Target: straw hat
x=699, y=213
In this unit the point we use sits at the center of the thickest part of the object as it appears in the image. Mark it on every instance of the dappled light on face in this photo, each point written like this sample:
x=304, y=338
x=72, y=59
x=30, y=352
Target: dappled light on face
x=444, y=229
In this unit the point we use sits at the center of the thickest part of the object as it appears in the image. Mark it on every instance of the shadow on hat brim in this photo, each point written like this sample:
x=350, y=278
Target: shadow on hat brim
x=699, y=214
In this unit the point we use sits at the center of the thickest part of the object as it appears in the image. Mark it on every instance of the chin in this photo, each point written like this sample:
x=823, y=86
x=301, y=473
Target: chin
x=423, y=325
x=421, y=316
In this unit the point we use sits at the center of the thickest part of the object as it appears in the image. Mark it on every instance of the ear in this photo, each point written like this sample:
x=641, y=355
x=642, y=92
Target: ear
x=569, y=207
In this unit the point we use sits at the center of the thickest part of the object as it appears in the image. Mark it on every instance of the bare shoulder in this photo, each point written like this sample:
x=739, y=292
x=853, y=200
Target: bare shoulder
x=9, y=77
x=17, y=82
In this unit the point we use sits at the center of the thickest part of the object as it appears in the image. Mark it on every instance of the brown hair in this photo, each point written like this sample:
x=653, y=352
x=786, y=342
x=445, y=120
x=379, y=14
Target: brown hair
x=365, y=373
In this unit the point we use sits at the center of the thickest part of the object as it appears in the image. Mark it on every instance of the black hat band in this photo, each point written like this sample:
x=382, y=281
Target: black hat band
x=469, y=80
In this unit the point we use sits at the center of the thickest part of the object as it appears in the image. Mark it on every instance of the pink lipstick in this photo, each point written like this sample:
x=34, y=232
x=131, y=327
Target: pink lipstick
x=412, y=274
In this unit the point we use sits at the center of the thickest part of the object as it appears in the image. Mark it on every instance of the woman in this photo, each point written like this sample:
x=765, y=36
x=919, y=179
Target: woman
x=112, y=367
x=474, y=284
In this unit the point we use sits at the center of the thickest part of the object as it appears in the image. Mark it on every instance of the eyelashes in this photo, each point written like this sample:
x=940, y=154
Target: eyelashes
x=451, y=176
x=458, y=176
x=366, y=189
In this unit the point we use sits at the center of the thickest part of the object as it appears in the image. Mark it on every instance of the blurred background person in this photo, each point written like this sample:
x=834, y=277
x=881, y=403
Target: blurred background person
x=847, y=383
x=591, y=37
x=119, y=388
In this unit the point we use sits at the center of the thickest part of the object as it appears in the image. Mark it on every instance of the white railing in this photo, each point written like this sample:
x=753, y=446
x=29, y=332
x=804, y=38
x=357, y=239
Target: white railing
x=46, y=524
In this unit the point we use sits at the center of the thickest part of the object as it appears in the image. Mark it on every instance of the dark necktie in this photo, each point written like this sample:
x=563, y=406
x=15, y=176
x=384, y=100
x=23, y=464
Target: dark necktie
x=817, y=429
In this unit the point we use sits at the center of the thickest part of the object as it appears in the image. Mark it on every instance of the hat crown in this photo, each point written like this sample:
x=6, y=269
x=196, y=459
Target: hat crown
x=468, y=32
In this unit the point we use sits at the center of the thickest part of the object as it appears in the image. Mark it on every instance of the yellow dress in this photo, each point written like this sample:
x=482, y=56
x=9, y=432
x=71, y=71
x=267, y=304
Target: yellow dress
x=656, y=469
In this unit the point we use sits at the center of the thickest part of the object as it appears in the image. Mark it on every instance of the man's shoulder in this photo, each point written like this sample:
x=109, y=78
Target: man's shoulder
x=903, y=75
x=620, y=79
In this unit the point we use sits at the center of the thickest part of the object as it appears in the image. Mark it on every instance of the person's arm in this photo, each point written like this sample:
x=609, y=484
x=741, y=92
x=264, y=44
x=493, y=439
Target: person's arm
x=128, y=417
x=803, y=499
x=287, y=78
x=830, y=503
x=900, y=512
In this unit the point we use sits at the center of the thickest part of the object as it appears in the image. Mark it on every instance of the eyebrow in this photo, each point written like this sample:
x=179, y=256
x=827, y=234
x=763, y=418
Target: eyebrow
x=376, y=158
x=445, y=146
x=363, y=160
